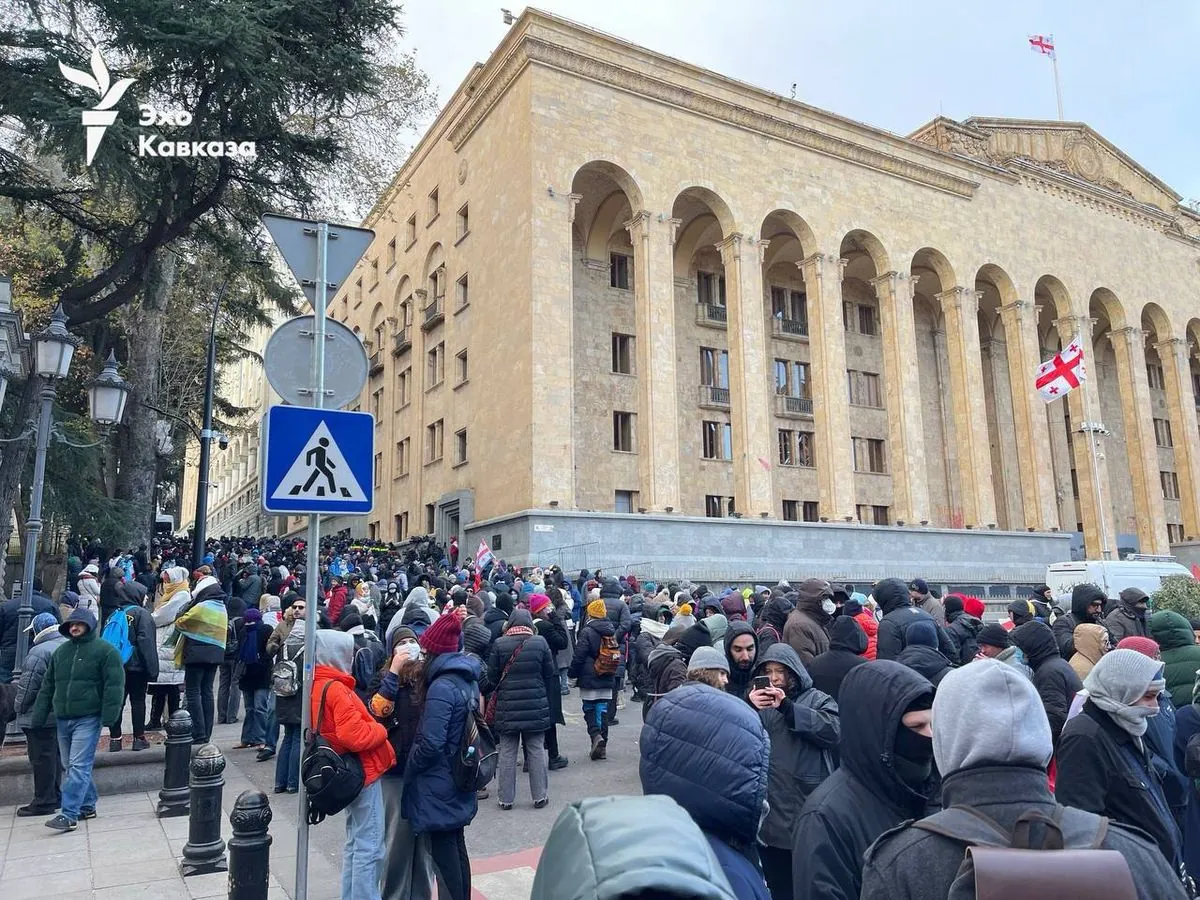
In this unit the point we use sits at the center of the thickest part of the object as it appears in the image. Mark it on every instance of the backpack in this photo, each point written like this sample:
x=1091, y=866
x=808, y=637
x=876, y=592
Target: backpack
x=116, y=632
x=233, y=643
x=285, y=674
x=474, y=765
x=331, y=780
x=608, y=658
x=999, y=864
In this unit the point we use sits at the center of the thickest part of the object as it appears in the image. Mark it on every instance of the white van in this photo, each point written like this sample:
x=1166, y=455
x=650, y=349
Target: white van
x=1112, y=576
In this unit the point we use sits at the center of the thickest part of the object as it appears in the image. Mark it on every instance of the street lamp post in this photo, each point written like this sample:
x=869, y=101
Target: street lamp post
x=200, y=532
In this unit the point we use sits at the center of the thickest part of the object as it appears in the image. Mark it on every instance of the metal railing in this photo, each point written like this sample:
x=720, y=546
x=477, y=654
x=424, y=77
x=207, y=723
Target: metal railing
x=401, y=341
x=793, y=406
x=711, y=314
x=435, y=311
x=789, y=327
x=711, y=395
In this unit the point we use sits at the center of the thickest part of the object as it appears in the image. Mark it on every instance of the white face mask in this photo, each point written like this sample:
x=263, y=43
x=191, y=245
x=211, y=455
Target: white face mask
x=828, y=606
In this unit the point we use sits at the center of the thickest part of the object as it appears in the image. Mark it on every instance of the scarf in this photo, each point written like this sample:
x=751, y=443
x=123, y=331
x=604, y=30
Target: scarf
x=249, y=649
x=1118, y=680
x=207, y=623
x=518, y=629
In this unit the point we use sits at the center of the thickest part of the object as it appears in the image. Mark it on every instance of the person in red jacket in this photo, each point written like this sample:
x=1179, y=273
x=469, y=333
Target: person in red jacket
x=338, y=595
x=349, y=728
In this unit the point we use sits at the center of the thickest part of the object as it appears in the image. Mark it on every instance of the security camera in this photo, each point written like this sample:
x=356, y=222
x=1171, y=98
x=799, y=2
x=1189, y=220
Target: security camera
x=223, y=442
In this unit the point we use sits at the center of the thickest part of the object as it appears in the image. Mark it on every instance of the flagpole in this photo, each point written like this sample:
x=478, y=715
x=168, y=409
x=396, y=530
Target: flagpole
x=1092, y=431
x=1057, y=84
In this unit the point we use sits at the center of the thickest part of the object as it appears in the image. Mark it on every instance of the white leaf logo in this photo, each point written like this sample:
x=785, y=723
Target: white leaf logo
x=97, y=119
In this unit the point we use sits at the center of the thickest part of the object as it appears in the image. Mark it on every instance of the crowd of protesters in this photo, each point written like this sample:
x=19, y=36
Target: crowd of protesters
x=799, y=740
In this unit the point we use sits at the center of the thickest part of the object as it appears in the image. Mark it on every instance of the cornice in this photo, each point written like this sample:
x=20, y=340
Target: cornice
x=546, y=53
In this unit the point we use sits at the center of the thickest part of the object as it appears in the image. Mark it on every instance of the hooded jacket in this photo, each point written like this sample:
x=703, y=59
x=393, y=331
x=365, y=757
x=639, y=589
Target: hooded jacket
x=83, y=678
x=770, y=624
x=1088, y=642
x=1126, y=620
x=345, y=722
x=522, y=701
x=963, y=629
x=33, y=670
x=847, y=649
x=804, y=630
x=709, y=752
x=920, y=652
x=587, y=648
x=1180, y=654
x=1082, y=595
x=622, y=840
x=994, y=759
x=895, y=605
x=739, y=678
x=10, y=617
x=198, y=652
x=864, y=797
x=1055, y=680
x=142, y=633
x=804, y=731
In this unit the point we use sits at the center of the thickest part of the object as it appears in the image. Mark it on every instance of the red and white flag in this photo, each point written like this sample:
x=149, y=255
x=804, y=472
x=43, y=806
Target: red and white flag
x=1062, y=373
x=483, y=555
x=1042, y=43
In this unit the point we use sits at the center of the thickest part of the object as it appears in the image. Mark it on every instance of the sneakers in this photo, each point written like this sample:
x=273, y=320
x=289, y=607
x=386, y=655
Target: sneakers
x=506, y=806
x=114, y=745
x=264, y=754
x=559, y=762
x=87, y=812
x=481, y=794
x=61, y=823
x=140, y=743
x=541, y=804
x=25, y=812
x=281, y=790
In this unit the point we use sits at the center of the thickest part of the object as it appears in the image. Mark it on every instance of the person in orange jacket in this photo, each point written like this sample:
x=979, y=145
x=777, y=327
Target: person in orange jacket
x=349, y=728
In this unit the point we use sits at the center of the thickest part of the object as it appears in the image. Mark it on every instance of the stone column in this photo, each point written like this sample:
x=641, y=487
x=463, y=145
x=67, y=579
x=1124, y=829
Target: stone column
x=831, y=402
x=654, y=317
x=906, y=436
x=1038, y=498
x=1181, y=406
x=1099, y=527
x=960, y=306
x=749, y=399
x=1129, y=346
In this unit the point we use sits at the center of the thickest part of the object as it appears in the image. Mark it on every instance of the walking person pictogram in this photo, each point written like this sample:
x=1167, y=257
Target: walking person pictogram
x=321, y=465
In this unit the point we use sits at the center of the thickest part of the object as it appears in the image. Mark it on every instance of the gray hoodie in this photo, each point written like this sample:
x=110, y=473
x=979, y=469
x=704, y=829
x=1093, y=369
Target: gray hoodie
x=334, y=649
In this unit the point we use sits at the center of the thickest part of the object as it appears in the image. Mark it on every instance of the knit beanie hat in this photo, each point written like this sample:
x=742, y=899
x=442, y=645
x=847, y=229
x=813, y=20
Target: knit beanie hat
x=1132, y=596
x=442, y=636
x=398, y=635
x=953, y=604
x=685, y=609
x=973, y=606
x=538, y=602
x=1143, y=645
x=596, y=609
x=708, y=658
x=593, y=594
x=475, y=605
x=994, y=635
x=852, y=607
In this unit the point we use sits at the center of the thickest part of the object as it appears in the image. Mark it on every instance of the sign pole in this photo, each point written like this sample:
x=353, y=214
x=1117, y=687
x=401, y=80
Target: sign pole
x=313, y=573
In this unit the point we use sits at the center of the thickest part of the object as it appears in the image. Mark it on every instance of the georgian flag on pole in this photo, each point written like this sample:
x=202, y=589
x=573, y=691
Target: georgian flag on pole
x=1062, y=373
x=1042, y=43
x=483, y=555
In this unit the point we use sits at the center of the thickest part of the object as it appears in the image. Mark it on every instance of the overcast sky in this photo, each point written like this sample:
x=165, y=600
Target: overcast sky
x=1130, y=70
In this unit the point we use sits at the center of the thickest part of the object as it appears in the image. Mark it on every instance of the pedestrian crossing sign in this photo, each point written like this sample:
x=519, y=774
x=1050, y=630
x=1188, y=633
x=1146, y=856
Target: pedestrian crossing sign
x=317, y=461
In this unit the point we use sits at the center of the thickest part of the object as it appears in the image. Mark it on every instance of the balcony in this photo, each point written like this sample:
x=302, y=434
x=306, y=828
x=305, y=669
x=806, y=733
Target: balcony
x=402, y=341
x=435, y=312
x=714, y=397
x=789, y=329
x=793, y=407
x=376, y=362
x=711, y=315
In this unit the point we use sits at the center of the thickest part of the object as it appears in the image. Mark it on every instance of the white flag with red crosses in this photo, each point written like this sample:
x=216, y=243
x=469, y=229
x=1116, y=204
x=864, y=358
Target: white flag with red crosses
x=1062, y=373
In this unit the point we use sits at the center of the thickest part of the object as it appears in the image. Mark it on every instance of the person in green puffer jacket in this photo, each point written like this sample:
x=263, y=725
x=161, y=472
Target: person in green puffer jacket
x=1180, y=654
x=85, y=685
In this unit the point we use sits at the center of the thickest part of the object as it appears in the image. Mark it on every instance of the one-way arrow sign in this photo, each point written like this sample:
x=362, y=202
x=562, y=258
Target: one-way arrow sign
x=297, y=242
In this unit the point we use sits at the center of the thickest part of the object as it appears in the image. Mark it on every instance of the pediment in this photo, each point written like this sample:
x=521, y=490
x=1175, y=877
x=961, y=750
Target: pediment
x=1065, y=148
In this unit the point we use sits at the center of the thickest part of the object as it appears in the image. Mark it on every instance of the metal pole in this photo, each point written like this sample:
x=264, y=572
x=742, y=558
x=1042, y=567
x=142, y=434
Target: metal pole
x=1090, y=430
x=200, y=536
x=33, y=525
x=1057, y=85
x=313, y=562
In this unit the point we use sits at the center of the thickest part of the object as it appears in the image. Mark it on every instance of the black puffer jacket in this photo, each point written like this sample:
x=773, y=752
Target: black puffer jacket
x=769, y=626
x=554, y=632
x=963, y=629
x=864, y=797
x=847, y=643
x=522, y=703
x=804, y=730
x=1055, y=680
x=898, y=613
x=495, y=619
x=587, y=648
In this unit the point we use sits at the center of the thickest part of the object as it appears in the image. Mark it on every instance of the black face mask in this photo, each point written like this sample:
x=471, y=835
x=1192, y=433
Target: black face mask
x=913, y=757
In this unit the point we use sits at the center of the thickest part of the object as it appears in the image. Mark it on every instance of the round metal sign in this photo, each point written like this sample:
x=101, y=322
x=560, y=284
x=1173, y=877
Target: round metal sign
x=288, y=361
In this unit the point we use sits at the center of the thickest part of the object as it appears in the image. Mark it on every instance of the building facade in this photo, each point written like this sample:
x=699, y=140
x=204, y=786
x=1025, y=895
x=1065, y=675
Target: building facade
x=610, y=288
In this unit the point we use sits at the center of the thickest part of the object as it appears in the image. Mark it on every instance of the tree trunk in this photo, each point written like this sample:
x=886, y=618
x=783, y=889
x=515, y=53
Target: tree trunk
x=138, y=442
x=14, y=458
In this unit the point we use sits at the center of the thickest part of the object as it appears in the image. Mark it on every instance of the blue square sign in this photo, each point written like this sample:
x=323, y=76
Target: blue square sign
x=317, y=461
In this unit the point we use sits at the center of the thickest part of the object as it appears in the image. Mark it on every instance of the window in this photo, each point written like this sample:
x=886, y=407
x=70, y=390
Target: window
x=787, y=449
x=406, y=309
x=1170, y=485
x=864, y=389
x=810, y=511
x=714, y=367
x=404, y=388
x=358, y=292
x=791, y=379
x=460, y=368
x=623, y=431
x=437, y=282
x=618, y=270
x=1154, y=375
x=374, y=273
x=376, y=396
x=881, y=514
x=434, y=207
x=497, y=541
x=378, y=470
x=710, y=288
x=435, y=369
x=872, y=515
x=717, y=440
x=717, y=507
x=626, y=501
x=622, y=354
x=789, y=305
x=795, y=448
x=869, y=455
x=460, y=446
x=401, y=521
x=781, y=377
x=410, y=231
x=463, y=292
x=1174, y=533
x=1162, y=432
x=433, y=442
x=391, y=253
x=1196, y=388
x=463, y=222
x=791, y=510
x=402, y=457
x=430, y=518
x=866, y=319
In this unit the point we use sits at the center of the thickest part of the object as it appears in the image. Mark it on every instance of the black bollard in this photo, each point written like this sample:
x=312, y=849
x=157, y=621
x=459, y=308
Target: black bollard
x=250, y=847
x=204, y=851
x=173, y=798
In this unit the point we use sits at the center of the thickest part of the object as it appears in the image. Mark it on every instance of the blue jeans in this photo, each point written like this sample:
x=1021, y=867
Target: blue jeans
x=271, y=733
x=287, y=760
x=77, y=749
x=362, y=858
x=254, y=722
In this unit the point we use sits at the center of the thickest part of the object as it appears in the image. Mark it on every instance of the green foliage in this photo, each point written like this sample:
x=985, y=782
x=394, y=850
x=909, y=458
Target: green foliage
x=1179, y=593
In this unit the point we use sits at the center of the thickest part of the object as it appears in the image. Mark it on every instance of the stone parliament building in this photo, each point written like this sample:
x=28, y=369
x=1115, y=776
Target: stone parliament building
x=624, y=311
